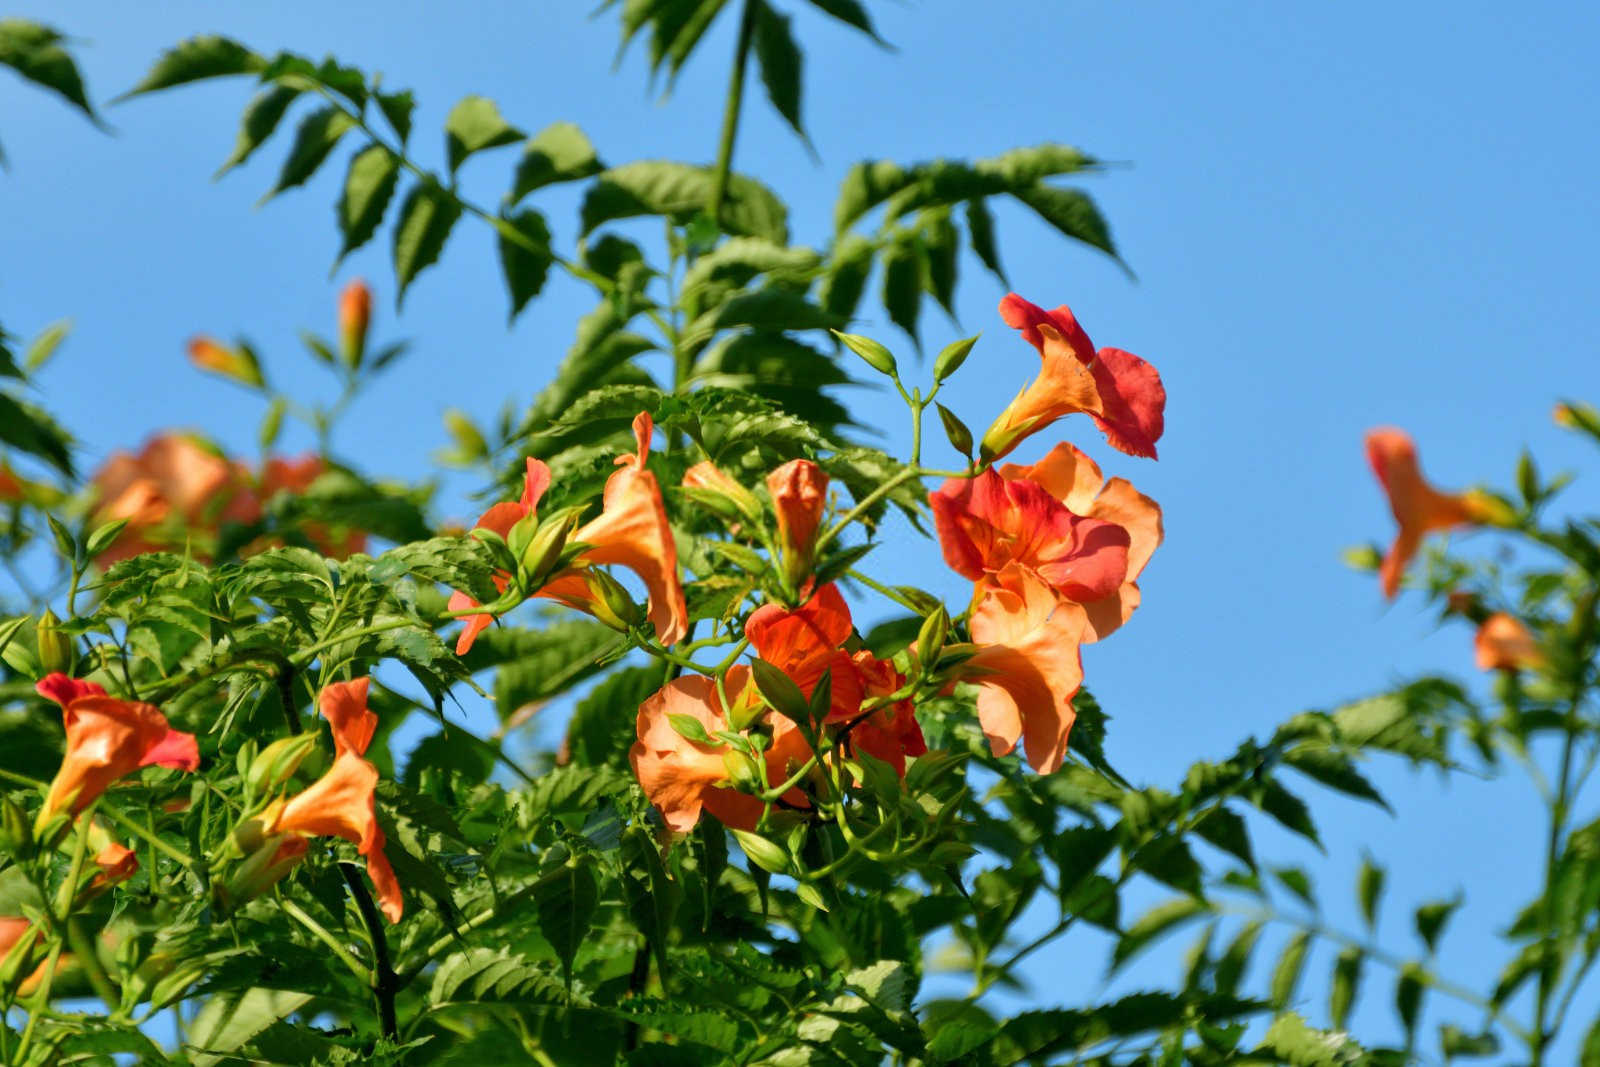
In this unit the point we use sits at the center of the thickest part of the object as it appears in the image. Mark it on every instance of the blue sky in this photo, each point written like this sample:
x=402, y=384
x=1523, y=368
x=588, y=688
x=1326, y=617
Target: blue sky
x=1339, y=216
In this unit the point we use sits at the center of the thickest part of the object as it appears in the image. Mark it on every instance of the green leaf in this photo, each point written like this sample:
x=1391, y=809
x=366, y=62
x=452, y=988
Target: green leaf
x=29, y=429
x=865, y=186
x=566, y=906
x=1288, y=809
x=1286, y=975
x=228, y=1020
x=1296, y=881
x=1227, y=830
x=426, y=218
x=782, y=64
x=1072, y=213
x=34, y=51
x=560, y=152
x=1158, y=921
x=316, y=136
x=941, y=249
x=601, y=727
x=1454, y=1042
x=850, y=12
x=1369, y=887
x=768, y=309
x=543, y=663
x=260, y=119
x=1291, y=1041
x=902, y=283
x=197, y=58
x=679, y=192
x=846, y=278
x=41, y=348
x=397, y=108
x=525, y=268
x=492, y=976
x=1235, y=958
x=1335, y=770
x=1431, y=917
x=1408, y=991
x=368, y=187
x=1345, y=985
x=981, y=235
x=677, y=26
x=473, y=125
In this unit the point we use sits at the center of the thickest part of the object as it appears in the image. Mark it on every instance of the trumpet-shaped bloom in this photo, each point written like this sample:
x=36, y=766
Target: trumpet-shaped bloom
x=172, y=485
x=681, y=777
x=1028, y=667
x=1075, y=480
x=344, y=705
x=1419, y=508
x=107, y=739
x=806, y=642
x=991, y=521
x=631, y=531
x=1120, y=391
x=1503, y=643
x=341, y=804
x=799, y=491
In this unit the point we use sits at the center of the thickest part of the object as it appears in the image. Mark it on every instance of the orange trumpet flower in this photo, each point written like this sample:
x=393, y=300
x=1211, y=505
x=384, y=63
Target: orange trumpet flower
x=1503, y=643
x=107, y=739
x=1419, y=508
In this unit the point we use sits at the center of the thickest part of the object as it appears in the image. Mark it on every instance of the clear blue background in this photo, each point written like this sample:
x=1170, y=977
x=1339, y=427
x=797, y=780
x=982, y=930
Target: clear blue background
x=1339, y=215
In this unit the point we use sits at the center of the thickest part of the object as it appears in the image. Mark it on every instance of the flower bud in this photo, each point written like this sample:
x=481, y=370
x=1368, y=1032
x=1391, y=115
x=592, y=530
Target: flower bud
x=264, y=867
x=276, y=763
x=708, y=485
x=741, y=771
x=542, y=552
x=931, y=638
x=799, y=491
x=55, y=648
x=237, y=362
x=610, y=603
x=355, y=316
x=16, y=838
x=768, y=855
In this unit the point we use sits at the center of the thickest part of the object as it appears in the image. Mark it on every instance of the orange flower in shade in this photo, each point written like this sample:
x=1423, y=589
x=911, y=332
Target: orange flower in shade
x=1075, y=480
x=807, y=641
x=295, y=476
x=631, y=531
x=1120, y=391
x=341, y=802
x=11, y=487
x=992, y=520
x=1503, y=643
x=18, y=935
x=107, y=739
x=173, y=485
x=683, y=777
x=1419, y=508
x=1028, y=667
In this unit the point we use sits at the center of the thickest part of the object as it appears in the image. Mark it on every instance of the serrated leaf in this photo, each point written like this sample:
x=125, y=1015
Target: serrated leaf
x=314, y=139
x=679, y=192
x=368, y=187
x=1286, y=975
x=1430, y=919
x=31, y=430
x=1235, y=958
x=566, y=906
x=226, y=1021
x=981, y=235
x=197, y=58
x=1070, y=212
x=1408, y=989
x=851, y=13
x=34, y=51
x=397, y=108
x=525, y=258
x=940, y=249
x=846, y=279
x=1346, y=984
x=560, y=152
x=426, y=219
x=474, y=125
x=1296, y=881
x=260, y=119
x=1288, y=809
x=494, y=976
x=1335, y=770
x=902, y=284
x=782, y=65
x=1291, y=1041
x=1159, y=920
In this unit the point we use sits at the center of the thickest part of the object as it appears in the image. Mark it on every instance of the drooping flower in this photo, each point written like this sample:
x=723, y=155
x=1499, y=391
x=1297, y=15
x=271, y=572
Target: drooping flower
x=1503, y=643
x=806, y=642
x=631, y=531
x=1419, y=508
x=1075, y=480
x=342, y=802
x=1120, y=391
x=683, y=777
x=1028, y=667
x=990, y=521
x=107, y=739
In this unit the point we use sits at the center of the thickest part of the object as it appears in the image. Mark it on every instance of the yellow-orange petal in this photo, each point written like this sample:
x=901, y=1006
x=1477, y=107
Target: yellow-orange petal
x=344, y=705
x=1503, y=643
x=1418, y=508
x=1065, y=386
x=799, y=491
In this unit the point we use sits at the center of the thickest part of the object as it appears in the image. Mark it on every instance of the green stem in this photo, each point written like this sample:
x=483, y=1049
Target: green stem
x=320, y=932
x=384, y=980
x=41, y=1001
x=904, y=475
x=155, y=842
x=730, y=113
x=878, y=587
x=89, y=957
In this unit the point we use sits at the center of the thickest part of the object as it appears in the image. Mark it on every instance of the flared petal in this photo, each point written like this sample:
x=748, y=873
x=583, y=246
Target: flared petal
x=1133, y=402
x=344, y=705
x=1418, y=508
x=806, y=642
x=632, y=531
x=108, y=739
x=341, y=804
x=64, y=690
x=1028, y=668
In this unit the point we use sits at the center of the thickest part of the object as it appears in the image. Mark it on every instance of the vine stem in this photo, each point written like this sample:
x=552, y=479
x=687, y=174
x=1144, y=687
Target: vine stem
x=320, y=932
x=730, y=112
x=385, y=983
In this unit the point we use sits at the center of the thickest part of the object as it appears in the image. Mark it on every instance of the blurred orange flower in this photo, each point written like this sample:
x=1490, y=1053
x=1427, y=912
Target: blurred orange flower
x=683, y=777
x=1120, y=391
x=173, y=485
x=1503, y=643
x=1419, y=508
x=107, y=739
